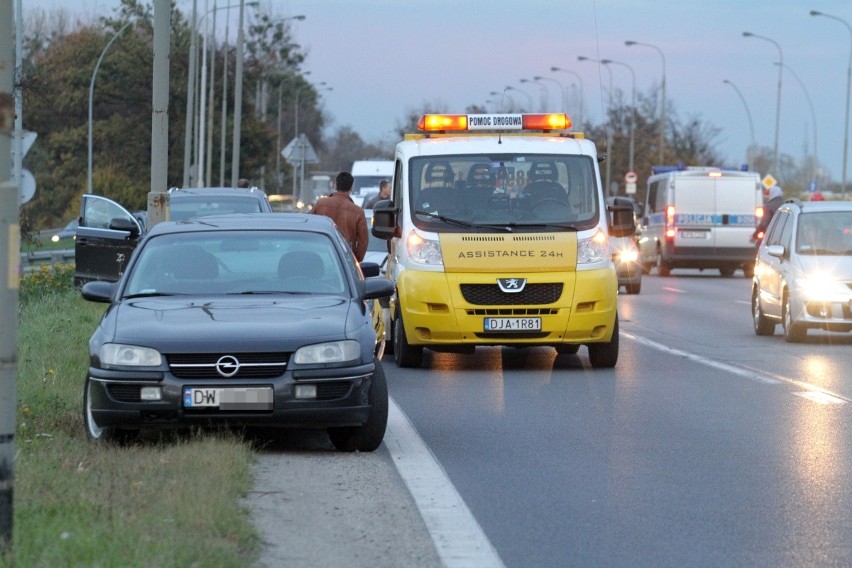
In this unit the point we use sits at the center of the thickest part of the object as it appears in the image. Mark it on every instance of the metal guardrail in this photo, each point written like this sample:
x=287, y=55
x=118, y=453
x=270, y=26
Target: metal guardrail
x=31, y=260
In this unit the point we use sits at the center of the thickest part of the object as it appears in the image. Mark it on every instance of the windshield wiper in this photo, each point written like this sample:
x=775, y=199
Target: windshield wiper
x=460, y=223
x=261, y=292
x=151, y=295
x=508, y=227
x=543, y=226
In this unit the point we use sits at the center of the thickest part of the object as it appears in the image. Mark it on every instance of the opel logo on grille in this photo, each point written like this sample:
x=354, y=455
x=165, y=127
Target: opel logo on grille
x=227, y=366
x=511, y=285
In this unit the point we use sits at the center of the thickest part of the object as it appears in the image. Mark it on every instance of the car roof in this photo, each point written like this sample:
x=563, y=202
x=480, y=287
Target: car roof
x=248, y=221
x=818, y=206
x=177, y=193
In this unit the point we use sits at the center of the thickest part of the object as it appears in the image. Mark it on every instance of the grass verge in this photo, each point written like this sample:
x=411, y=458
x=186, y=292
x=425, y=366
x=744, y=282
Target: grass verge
x=170, y=501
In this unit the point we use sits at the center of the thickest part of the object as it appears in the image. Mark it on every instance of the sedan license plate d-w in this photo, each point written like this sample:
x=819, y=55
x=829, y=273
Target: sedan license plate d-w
x=512, y=324
x=230, y=398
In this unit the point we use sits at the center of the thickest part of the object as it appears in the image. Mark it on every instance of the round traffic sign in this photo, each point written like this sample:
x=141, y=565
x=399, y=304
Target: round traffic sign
x=630, y=177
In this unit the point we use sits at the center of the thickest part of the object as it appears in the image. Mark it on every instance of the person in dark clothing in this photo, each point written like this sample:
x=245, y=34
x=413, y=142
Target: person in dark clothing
x=384, y=193
x=776, y=198
x=348, y=217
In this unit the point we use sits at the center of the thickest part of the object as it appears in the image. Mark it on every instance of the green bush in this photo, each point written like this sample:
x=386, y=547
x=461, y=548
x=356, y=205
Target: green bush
x=46, y=281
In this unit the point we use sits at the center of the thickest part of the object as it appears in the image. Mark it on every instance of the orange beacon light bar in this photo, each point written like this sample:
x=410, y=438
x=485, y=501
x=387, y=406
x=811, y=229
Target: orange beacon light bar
x=492, y=122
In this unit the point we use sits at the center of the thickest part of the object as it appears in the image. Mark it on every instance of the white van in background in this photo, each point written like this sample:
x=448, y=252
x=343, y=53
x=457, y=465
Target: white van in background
x=368, y=174
x=700, y=217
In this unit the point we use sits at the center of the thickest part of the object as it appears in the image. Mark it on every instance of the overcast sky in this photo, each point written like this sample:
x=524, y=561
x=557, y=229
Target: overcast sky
x=383, y=58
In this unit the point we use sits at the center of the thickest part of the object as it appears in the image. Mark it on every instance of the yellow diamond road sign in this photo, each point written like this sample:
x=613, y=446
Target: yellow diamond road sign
x=768, y=181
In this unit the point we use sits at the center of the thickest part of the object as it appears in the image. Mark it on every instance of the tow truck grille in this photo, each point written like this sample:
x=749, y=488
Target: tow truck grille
x=491, y=295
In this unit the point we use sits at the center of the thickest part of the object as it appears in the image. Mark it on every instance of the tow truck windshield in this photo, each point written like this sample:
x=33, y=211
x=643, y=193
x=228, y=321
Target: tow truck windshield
x=511, y=192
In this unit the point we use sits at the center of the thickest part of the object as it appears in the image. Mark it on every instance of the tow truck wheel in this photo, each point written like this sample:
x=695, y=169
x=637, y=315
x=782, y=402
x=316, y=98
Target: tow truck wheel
x=605, y=355
x=404, y=354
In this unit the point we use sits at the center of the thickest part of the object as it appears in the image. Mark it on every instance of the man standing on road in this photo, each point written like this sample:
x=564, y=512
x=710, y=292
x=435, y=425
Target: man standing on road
x=348, y=217
x=384, y=193
x=776, y=199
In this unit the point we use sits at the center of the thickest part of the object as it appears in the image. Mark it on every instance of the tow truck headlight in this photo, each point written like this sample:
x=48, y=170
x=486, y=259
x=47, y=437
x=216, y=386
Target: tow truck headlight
x=424, y=251
x=593, y=249
x=129, y=355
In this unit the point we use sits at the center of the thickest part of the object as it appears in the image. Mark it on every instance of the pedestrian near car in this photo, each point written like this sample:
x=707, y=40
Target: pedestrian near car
x=348, y=217
x=776, y=199
x=384, y=193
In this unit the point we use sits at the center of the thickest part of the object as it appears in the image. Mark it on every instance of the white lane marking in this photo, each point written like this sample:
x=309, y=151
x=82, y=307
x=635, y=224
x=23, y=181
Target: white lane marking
x=670, y=289
x=458, y=538
x=813, y=392
x=820, y=397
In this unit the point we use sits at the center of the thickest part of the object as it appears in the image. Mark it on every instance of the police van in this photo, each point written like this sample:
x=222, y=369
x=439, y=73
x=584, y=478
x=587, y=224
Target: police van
x=499, y=235
x=700, y=217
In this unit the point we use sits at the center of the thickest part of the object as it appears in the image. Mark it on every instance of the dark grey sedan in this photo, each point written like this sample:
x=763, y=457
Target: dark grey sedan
x=245, y=320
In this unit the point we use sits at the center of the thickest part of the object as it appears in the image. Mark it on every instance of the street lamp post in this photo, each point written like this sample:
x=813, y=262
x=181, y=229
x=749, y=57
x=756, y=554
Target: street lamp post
x=848, y=84
x=750, y=152
x=529, y=98
x=539, y=78
x=628, y=43
x=580, y=82
x=543, y=91
x=813, y=115
x=632, y=105
x=778, y=101
x=610, y=154
x=91, y=98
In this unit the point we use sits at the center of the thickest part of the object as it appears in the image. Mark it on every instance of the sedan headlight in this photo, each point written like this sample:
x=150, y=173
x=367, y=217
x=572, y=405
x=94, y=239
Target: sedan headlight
x=129, y=355
x=821, y=285
x=424, y=251
x=627, y=254
x=593, y=249
x=331, y=352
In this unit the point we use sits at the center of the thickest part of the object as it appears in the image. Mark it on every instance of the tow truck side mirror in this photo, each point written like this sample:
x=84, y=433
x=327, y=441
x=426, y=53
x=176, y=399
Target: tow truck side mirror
x=385, y=220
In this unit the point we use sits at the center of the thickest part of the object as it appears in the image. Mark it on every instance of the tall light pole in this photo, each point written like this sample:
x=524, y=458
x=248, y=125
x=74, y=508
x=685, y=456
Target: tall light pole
x=529, y=98
x=848, y=85
x=238, y=102
x=778, y=102
x=610, y=153
x=580, y=82
x=91, y=97
x=750, y=152
x=813, y=116
x=629, y=43
x=632, y=106
x=539, y=78
x=191, y=125
x=543, y=91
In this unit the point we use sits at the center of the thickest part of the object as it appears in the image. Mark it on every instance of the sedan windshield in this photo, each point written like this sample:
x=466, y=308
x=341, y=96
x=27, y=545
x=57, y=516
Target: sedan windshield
x=476, y=193
x=823, y=233
x=237, y=262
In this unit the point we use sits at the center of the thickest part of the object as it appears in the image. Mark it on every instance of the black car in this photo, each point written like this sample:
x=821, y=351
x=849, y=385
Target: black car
x=108, y=232
x=255, y=320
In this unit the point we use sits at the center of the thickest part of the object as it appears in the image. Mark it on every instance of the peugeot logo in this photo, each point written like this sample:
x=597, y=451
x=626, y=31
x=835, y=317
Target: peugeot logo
x=511, y=285
x=227, y=366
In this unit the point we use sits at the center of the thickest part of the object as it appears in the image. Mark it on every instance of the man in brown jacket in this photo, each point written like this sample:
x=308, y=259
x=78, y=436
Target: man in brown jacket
x=348, y=217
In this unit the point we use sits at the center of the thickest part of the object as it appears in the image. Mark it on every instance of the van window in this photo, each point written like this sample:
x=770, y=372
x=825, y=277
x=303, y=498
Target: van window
x=460, y=193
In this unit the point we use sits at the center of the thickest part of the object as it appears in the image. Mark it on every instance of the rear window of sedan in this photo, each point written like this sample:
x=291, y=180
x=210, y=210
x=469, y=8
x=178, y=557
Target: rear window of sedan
x=237, y=262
